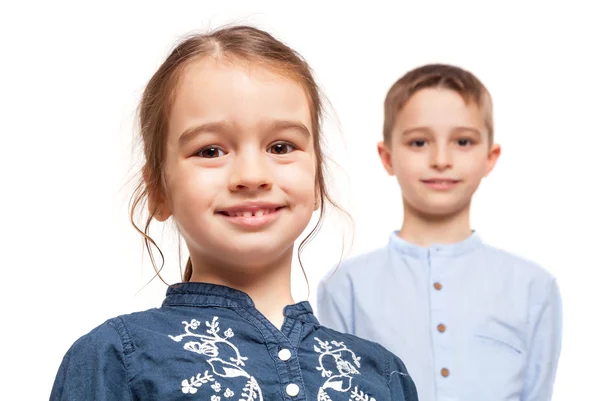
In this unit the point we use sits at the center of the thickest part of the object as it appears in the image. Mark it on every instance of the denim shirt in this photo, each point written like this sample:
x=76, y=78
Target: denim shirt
x=471, y=322
x=209, y=342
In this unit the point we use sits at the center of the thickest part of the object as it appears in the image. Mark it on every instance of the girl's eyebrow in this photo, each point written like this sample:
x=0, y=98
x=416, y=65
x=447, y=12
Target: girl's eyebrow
x=280, y=125
x=224, y=127
x=213, y=127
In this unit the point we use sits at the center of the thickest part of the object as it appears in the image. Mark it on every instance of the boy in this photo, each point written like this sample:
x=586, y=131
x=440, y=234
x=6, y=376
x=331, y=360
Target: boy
x=471, y=322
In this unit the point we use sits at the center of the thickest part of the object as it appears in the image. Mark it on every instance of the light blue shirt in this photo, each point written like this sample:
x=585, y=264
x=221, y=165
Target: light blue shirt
x=471, y=322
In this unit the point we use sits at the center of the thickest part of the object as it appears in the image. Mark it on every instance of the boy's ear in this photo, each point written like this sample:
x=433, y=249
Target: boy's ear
x=492, y=158
x=157, y=206
x=385, y=155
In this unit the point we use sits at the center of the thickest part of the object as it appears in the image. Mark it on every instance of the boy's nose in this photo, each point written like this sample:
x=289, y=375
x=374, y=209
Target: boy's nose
x=441, y=158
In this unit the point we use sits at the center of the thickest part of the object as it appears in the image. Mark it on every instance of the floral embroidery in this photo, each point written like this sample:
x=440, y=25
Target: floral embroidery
x=360, y=396
x=335, y=356
x=189, y=387
x=223, y=357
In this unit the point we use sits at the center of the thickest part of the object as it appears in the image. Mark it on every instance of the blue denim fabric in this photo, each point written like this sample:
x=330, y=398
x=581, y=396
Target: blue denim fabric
x=209, y=342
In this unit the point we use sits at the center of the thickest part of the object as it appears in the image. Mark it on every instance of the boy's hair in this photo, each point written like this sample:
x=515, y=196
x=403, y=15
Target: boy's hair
x=437, y=76
x=238, y=44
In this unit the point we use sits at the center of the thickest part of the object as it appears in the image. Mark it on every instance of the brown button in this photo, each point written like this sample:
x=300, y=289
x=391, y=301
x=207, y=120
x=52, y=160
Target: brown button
x=445, y=372
x=437, y=286
x=441, y=328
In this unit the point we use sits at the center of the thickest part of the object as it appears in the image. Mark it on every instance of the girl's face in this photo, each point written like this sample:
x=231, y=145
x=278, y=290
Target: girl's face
x=240, y=163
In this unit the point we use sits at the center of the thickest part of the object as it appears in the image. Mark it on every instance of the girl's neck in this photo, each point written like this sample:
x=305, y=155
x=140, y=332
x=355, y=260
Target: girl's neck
x=268, y=286
x=425, y=230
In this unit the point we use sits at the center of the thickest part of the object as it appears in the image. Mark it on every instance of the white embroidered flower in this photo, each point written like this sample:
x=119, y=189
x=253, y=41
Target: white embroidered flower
x=345, y=368
x=229, y=393
x=216, y=387
x=215, y=398
x=228, y=333
x=187, y=388
x=202, y=348
x=194, y=324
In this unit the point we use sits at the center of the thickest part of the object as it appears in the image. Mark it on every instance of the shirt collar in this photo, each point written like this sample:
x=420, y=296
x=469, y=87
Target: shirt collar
x=213, y=295
x=469, y=244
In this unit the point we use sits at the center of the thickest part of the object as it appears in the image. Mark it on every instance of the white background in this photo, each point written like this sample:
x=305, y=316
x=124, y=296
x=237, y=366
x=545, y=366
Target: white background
x=70, y=78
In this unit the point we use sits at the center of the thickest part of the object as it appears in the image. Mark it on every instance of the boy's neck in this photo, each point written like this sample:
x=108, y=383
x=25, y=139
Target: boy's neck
x=269, y=287
x=425, y=230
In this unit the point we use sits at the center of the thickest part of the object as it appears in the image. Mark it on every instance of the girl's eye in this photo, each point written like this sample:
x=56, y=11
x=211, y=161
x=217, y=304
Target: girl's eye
x=464, y=142
x=418, y=143
x=281, y=148
x=211, y=152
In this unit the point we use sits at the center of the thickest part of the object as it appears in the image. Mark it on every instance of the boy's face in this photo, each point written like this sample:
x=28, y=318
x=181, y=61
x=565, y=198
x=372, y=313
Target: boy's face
x=439, y=151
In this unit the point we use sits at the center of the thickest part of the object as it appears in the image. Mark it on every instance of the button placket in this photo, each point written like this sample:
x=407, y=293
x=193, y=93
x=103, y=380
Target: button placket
x=284, y=354
x=439, y=308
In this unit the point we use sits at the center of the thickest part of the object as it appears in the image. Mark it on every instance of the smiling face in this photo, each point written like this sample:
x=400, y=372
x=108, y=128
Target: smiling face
x=240, y=164
x=439, y=151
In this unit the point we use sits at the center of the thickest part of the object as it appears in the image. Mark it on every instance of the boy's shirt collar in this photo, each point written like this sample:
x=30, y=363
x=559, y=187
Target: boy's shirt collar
x=469, y=244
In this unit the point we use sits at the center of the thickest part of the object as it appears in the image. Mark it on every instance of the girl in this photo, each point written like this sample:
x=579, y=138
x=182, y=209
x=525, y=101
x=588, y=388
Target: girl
x=230, y=124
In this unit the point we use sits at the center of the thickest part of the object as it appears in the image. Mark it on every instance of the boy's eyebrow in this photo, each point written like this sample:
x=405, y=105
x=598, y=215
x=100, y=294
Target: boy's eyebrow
x=223, y=127
x=429, y=131
x=472, y=130
x=412, y=130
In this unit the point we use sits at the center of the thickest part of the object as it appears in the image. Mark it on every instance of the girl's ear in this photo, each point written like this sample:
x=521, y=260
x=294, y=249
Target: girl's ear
x=157, y=205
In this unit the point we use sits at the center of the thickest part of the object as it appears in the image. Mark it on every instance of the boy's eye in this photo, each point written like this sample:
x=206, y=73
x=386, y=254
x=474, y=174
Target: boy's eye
x=419, y=143
x=211, y=152
x=281, y=148
x=464, y=142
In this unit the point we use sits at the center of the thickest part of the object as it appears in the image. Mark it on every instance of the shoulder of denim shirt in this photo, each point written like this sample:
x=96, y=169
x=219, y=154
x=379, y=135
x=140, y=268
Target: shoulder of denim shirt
x=388, y=363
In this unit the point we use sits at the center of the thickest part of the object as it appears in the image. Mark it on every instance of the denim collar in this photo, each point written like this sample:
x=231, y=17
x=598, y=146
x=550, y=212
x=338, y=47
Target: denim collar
x=213, y=295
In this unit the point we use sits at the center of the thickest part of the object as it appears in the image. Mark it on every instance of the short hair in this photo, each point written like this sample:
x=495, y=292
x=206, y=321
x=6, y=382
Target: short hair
x=437, y=76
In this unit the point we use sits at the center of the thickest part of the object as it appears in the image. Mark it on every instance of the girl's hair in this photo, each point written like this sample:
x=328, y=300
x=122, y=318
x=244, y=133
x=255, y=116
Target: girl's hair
x=239, y=44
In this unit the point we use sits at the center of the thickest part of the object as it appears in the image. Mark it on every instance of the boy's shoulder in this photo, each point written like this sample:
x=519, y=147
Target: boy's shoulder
x=356, y=265
x=372, y=264
x=512, y=263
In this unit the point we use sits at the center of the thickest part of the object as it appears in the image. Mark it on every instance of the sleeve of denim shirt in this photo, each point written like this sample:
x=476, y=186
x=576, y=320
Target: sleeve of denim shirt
x=402, y=386
x=545, y=345
x=93, y=368
x=334, y=306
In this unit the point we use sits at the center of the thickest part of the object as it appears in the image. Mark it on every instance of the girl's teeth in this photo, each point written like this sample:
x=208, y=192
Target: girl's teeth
x=258, y=213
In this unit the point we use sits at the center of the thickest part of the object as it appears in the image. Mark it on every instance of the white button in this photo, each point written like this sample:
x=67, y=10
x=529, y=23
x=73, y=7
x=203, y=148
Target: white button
x=292, y=390
x=285, y=354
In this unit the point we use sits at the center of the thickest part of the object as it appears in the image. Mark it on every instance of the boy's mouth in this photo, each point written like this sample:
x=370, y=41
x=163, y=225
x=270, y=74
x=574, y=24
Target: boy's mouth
x=441, y=183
